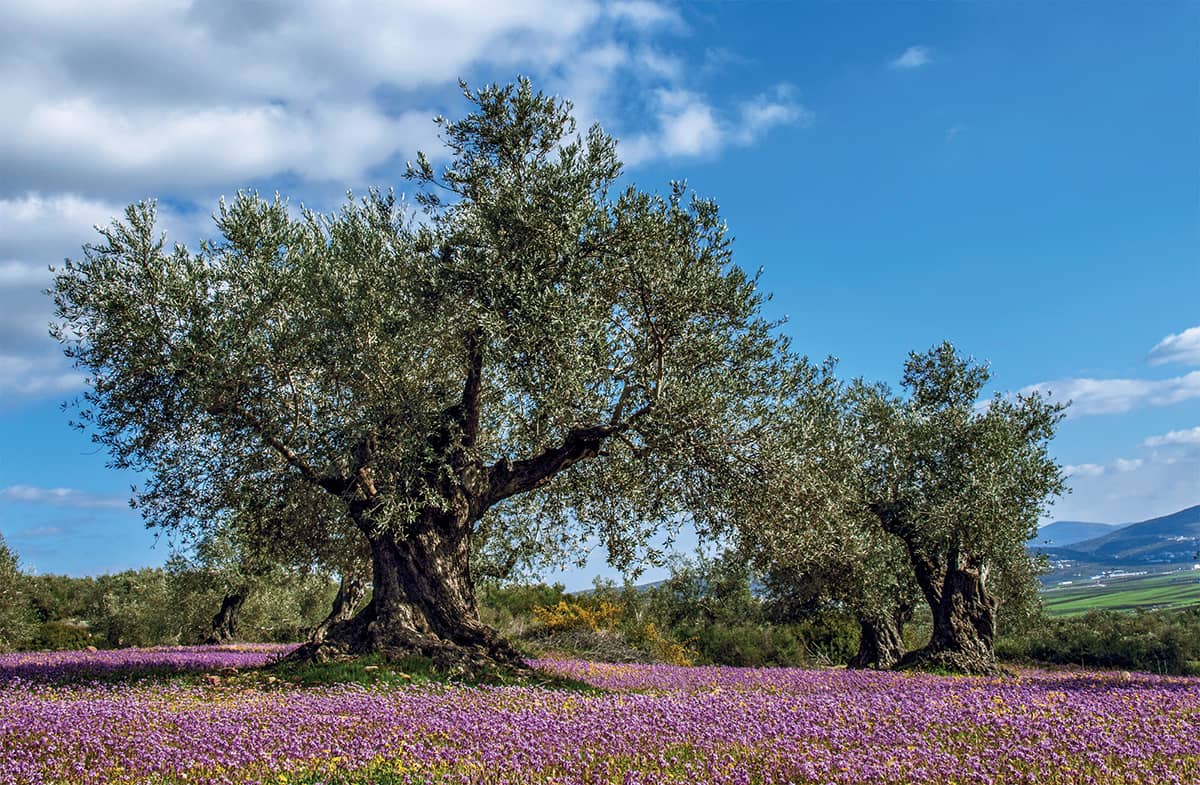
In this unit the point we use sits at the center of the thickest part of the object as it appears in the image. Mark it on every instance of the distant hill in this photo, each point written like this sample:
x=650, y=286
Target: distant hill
x=1070, y=532
x=1171, y=539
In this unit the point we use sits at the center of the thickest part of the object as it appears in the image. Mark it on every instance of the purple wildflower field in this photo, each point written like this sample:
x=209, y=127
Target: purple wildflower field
x=649, y=724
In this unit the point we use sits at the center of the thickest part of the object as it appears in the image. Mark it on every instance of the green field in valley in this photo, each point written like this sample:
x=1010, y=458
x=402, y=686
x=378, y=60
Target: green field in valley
x=1161, y=590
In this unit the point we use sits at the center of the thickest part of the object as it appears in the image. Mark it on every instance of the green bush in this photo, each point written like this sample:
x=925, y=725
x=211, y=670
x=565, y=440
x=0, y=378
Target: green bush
x=62, y=635
x=16, y=613
x=1155, y=641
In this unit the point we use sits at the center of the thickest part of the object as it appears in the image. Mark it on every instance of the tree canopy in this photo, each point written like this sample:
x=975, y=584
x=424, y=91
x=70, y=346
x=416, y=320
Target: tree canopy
x=531, y=324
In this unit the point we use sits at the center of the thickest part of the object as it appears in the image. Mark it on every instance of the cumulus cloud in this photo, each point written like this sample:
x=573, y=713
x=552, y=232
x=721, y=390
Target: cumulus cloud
x=913, y=57
x=1182, y=347
x=155, y=95
x=1188, y=436
x=688, y=125
x=59, y=497
x=1117, y=396
x=83, y=144
x=35, y=232
x=112, y=101
x=1084, y=470
x=141, y=96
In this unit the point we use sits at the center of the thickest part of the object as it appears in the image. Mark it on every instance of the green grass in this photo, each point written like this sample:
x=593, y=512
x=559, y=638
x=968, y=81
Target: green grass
x=361, y=670
x=373, y=670
x=1171, y=590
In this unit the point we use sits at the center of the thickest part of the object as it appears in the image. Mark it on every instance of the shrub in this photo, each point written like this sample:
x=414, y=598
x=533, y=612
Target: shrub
x=565, y=615
x=1158, y=641
x=62, y=635
x=16, y=614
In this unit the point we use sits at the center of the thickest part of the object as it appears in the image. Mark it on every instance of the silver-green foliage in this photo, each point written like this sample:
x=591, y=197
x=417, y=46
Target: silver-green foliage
x=332, y=350
x=964, y=477
x=807, y=525
x=16, y=613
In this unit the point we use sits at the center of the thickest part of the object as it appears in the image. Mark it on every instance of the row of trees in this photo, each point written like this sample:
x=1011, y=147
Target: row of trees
x=175, y=604
x=530, y=358
x=877, y=501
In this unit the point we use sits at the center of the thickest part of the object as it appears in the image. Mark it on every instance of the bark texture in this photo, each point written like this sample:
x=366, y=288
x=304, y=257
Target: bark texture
x=964, y=612
x=423, y=596
x=351, y=591
x=422, y=603
x=964, y=620
x=881, y=640
x=224, y=623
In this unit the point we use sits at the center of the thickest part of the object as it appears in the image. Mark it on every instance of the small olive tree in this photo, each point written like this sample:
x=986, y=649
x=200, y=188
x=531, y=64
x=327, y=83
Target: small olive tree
x=807, y=527
x=537, y=331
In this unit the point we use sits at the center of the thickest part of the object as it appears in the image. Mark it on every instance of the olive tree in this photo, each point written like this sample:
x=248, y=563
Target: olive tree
x=960, y=482
x=534, y=329
x=807, y=527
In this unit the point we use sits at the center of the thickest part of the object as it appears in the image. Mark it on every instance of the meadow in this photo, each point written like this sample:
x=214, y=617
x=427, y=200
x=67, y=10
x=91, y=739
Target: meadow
x=1148, y=592
x=202, y=715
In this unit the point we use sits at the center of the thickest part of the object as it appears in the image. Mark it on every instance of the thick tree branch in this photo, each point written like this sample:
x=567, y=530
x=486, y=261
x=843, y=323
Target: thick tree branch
x=458, y=430
x=508, y=478
x=472, y=390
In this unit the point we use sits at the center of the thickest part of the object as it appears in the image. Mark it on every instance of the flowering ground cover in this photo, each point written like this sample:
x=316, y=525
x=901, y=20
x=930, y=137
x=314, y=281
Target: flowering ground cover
x=60, y=666
x=647, y=724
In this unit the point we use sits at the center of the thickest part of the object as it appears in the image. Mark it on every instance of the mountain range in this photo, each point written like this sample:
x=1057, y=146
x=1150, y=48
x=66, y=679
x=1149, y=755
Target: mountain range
x=1170, y=539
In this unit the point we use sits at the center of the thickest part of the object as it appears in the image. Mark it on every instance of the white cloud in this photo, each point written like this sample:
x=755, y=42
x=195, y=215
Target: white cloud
x=1084, y=470
x=1127, y=464
x=138, y=97
x=1100, y=469
x=1117, y=396
x=913, y=57
x=1182, y=347
x=645, y=14
x=111, y=101
x=37, y=375
x=35, y=232
x=59, y=497
x=1183, y=437
x=768, y=111
x=688, y=125
x=145, y=96
x=1133, y=489
x=38, y=230
x=86, y=144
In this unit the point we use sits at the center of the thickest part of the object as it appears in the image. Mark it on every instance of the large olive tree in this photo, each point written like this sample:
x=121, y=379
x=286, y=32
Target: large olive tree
x=960, y=481
x=534, y=330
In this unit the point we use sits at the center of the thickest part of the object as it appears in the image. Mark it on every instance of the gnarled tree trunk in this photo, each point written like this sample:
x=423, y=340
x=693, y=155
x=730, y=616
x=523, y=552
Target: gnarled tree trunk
x=964, y=617
x=881, y=639
x=964, y=621
x=423, y=600
x=351, y=590
x=224, y=623
x=954, y=586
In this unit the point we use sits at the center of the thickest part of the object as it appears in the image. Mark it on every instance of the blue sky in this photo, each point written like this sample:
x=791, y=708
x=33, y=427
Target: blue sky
x=1023, y=179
